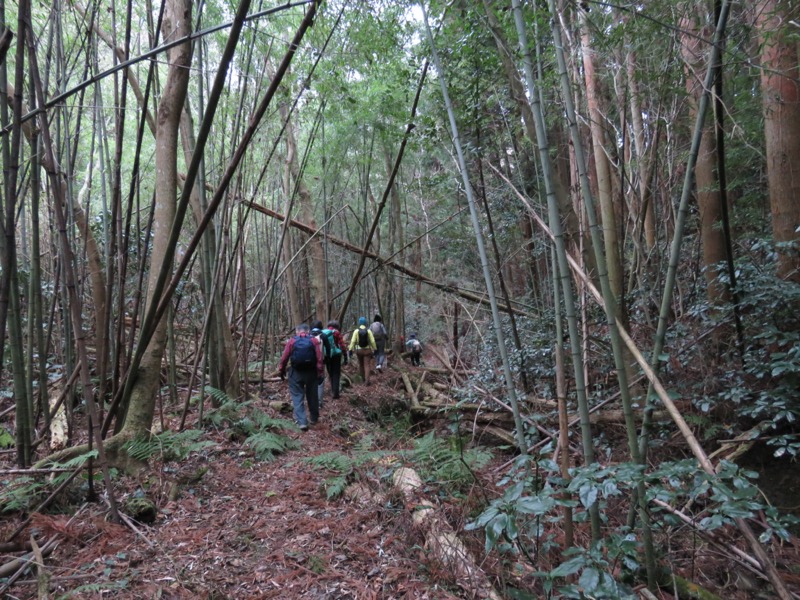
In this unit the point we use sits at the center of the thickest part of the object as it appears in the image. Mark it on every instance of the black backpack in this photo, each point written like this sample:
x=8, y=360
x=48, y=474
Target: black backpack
x=363, y=337
x=304, y=355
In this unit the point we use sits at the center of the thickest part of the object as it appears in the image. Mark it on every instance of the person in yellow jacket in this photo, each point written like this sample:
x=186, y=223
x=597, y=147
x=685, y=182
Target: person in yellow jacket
x=362, y=342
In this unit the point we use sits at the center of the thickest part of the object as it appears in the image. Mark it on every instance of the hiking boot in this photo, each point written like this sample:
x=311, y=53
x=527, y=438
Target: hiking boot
x=303, y=427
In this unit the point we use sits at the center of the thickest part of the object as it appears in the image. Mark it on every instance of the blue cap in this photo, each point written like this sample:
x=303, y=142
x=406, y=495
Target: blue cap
x=362, y=320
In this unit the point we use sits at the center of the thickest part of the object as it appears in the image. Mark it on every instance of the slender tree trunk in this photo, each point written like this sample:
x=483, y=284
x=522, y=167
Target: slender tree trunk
x=777, y=29
x=177, y=24
x=646, y=212
x=222, y=348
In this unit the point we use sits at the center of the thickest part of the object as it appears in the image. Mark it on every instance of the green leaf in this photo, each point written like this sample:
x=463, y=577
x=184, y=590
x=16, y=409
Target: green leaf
x=587, y=495
x=6, y=439
x=590, y=579
x=568, y=568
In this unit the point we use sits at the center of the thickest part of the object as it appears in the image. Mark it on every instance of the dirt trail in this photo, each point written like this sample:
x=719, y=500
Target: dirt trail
x=249, y=529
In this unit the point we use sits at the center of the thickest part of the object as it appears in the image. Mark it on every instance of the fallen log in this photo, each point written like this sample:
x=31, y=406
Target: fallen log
x=501, y=435
x=440, y=539
x=466, y=294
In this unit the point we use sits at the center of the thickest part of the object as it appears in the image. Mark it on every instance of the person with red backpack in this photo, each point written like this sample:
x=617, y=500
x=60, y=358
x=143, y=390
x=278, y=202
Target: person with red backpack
x=302, y=356
x=363, y=343
x=337, y=356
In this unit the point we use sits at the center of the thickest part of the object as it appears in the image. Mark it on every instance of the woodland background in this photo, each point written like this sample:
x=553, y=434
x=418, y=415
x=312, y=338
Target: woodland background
x=579, y=207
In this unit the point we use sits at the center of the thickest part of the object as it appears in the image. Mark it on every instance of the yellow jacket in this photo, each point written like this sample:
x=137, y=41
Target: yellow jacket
x=354, y=339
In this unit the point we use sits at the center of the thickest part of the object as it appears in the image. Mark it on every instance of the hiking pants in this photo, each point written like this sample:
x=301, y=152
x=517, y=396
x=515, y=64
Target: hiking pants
x=364, y=363
x=380, y=354
x=415, y=358
x=334, y=367
x=302, y=387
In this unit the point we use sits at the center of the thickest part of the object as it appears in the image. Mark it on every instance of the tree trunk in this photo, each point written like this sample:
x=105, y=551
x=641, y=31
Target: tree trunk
x=317, y=267
x=177, y=24
x=781, y=102
x=696, y=24
x=602, y=169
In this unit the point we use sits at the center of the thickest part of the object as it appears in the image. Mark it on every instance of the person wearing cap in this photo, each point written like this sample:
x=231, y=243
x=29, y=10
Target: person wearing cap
x=415, y=347
x=362, y=342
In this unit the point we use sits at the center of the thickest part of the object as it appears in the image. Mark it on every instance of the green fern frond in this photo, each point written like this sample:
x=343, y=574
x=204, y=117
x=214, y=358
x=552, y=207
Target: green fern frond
x=264, y=421
x=335, y=486
x=225, y=414
x=267, y=444
x=77, y=461
x=171, y=445
x=219, y=395
x=331, y=461
x=439, y=460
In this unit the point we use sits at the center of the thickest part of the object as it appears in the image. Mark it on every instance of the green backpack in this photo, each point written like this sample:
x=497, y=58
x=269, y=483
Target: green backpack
x=335, y=350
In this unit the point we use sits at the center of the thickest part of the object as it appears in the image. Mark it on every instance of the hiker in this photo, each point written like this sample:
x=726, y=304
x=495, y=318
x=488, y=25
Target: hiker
x=363, y=343
x=415, y=347
x=316, y=332
x=337, y=356
x=302, y=355
x=380, y=335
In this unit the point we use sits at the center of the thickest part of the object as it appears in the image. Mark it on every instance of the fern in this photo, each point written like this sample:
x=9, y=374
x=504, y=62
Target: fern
x=335, y=486
x=77, y=461
x=171, y=445
x=345, y=465
x=267, y=444
x=264, y=421
x=225, y=414
x=20, y=494
x=439, y=461
x=98, y=588
x=331, y=461
x=218, y=395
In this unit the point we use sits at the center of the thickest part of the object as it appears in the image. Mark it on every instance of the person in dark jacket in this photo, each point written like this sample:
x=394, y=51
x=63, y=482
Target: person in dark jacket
x=302, y=362
x=337, y=356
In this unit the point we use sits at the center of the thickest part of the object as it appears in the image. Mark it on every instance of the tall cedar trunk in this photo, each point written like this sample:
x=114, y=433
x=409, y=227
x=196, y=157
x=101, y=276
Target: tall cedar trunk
x=602, y=168
x=695, y=56
x=177, y=24
x=780, y=92
x=317, y=267
x=295, y=310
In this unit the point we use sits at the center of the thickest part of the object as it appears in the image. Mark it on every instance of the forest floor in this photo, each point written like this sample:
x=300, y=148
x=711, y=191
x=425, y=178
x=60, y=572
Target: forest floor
x=240, y=528
x=229, y=526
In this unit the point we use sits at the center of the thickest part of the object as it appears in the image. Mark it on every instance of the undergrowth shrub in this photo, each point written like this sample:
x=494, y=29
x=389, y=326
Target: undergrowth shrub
x=25, y=493
x=534, y=497
x=764, y=390
x=441, y=461
x=260, y=432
